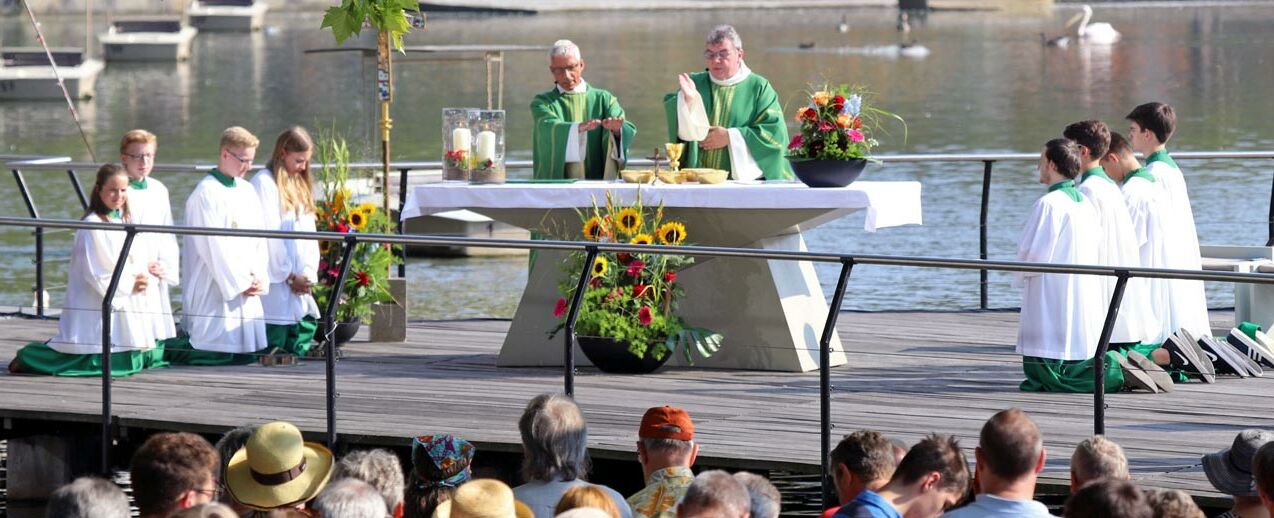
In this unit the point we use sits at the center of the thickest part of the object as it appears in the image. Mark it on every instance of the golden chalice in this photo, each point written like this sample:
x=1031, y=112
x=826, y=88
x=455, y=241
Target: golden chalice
x=674, y=154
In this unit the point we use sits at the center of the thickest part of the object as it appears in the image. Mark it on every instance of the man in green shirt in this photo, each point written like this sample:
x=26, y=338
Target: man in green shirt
x=566, y=136
x=729, y=117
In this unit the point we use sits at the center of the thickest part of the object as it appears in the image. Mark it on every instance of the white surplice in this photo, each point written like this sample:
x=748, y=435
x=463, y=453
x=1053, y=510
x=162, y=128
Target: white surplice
x=287, y=256
x=1118, y=247
x=1148, y=210
x=150, y=206
x=217, y=270
x=1062, y=314
x=1189, y=302
x=93, y=258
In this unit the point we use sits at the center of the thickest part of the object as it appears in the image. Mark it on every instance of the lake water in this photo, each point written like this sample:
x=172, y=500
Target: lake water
x=987, y=86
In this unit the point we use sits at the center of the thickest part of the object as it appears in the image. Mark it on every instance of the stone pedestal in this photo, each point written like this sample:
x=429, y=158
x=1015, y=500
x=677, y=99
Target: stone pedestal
x=389, y=320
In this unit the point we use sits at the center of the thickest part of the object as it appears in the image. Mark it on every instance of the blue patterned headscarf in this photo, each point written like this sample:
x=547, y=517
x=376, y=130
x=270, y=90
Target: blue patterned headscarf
x=441, y=460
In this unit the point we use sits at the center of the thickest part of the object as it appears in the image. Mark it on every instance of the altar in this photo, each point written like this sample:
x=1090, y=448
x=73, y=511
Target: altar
x=771, y=313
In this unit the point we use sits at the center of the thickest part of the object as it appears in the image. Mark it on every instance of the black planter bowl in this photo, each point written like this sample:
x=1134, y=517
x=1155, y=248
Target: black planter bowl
x=828, y=173
x=345, y=331
x=612, y=356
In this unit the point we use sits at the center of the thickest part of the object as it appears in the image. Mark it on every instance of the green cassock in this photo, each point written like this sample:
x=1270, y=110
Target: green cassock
x=752, y=107
x=554, y=112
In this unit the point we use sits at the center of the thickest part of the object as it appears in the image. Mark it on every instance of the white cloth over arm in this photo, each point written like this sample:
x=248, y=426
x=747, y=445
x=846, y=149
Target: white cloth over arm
x=692, y=119
x=1118, y=247
x=286, y=256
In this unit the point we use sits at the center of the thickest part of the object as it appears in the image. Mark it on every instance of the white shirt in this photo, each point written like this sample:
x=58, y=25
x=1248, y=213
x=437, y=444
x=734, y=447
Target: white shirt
x=1148, y=210
x=1118, y=247
x=150, y=206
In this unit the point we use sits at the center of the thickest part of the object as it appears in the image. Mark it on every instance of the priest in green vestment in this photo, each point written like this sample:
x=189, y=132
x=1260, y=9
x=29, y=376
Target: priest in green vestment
x=729, y=117
x=579, y=130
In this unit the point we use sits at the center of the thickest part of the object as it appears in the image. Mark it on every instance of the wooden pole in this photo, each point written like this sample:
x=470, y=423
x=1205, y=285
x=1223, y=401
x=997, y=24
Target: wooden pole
x=384, y=94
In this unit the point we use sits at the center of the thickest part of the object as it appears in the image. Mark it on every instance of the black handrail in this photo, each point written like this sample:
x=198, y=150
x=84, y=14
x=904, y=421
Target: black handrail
x=825, y=383
x=107, y=299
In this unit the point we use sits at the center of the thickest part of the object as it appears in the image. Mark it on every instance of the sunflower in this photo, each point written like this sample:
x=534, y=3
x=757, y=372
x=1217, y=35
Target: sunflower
x=599, y=266
x=367, y=209
x=358, y=220
x=642, y=239
x=672, y=233
x=628, y=220
x=593, y=228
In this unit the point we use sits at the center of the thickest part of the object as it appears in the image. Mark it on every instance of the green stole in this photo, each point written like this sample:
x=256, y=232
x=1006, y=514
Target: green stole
x=1162, y=156
x=221, y=178
x=554, y=112
x=1142, y=173
x=752, y=107
x=139, y=185
x=1068, y=187
x=1096, y=172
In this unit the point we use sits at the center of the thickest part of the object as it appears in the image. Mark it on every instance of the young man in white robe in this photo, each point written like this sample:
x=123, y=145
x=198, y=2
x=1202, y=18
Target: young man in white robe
x=1149, y=128
x=149, y=205
x=223, y=277
x=1062, y=314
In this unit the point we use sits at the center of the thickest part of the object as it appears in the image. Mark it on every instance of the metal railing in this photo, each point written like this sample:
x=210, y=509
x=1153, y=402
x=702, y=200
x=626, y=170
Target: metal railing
x=988, y=161
x=591, y=249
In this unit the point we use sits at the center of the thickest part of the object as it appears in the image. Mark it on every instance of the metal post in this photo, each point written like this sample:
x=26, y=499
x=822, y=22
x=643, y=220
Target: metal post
x=107, y=420
x=825, y=382
x=329, y=330
x=79, y=190
x=1269, y=240
x=39, y=242
x=1099, y=359
x=402, y=226
x=986, y=196
x=568, y=356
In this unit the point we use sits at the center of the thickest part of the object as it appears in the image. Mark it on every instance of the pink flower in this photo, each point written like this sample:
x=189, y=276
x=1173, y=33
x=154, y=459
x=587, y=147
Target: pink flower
x=825, y=126
x=855, y=136
x=559, y=309
x=634, y=268
x=796, y=142
x=334, y=273
x=643, y=316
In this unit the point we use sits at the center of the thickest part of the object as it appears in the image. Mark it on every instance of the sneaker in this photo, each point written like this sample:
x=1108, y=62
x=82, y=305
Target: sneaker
x=1135, y=378
x=1222, y=357
x=1250, y=348
x=1266, y=341
x=1190, y=341
x=1161, y=377
x=1253, y=368
x=1183, y=357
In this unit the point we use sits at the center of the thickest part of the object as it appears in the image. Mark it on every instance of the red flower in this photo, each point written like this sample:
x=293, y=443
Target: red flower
x=825, y=126
x=634, y=268
x=362, y=278
x=559, y=309
x=623, y=257
x=643, y=316
x=639, y=290
x=322, y=265
x=796, y=142
x=333, y=273
x=596, y=282
x=838, y=103
x=810, y=114
x=670, y=276
x=342, y=228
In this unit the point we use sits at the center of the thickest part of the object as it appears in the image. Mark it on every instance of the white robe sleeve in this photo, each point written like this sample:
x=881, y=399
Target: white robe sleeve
x=229, y=267
x=307, y=250
x=576, y=148
x=169, y=254
x=1037, y=242
x=742, y=165
x=96, y=254
x=692, y=119
x=279, y=264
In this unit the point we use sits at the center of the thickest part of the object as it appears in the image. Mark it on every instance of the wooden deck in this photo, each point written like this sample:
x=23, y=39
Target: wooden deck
x=909, y=374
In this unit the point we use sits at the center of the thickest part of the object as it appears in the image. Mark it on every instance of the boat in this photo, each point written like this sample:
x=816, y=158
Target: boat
x=227, y=15
x=25, y=73
x=149, y=38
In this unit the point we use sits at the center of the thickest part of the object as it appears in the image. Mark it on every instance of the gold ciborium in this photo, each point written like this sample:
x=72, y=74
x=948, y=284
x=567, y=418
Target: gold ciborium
x=674, y=154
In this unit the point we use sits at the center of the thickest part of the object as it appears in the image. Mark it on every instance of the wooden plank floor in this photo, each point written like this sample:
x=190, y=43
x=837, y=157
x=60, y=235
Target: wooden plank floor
x=910, y=373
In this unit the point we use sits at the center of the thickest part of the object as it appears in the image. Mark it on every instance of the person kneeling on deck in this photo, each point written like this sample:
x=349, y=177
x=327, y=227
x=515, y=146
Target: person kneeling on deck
x=223, y=276
x=666, y=451
x=1062, y=314
x=76, y=350
x=565, y=137
x=149, y=205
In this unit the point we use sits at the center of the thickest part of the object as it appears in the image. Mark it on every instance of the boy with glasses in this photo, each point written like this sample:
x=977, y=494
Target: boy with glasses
x=149, y=205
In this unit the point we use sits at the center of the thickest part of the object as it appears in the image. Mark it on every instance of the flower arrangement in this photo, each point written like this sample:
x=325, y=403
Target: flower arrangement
x=632, y=298
x=367, y=281
x=838, y=124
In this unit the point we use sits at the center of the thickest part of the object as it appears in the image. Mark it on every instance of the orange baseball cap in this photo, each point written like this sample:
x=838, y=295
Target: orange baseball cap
x=666, y=422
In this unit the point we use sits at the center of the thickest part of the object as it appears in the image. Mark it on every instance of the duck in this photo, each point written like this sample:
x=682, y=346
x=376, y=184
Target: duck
x=844, y=24
x=1060, y=42
x=805, y=45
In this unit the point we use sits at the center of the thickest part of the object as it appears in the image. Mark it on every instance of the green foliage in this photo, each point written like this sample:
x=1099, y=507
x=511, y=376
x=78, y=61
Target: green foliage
x=389, y=16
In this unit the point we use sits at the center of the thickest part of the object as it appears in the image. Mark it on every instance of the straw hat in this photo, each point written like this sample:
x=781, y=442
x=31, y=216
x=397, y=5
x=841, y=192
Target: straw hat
x=483, y=498
x=276, y=468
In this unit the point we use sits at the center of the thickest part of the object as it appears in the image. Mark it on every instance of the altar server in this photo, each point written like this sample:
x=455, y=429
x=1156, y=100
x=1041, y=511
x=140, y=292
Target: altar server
x=224, y=277
x=729, y=117
x=1147, y=209
x=1149, y=128
x=76, y=350
x=579, y=130
x=149, y=205
x=287, y=203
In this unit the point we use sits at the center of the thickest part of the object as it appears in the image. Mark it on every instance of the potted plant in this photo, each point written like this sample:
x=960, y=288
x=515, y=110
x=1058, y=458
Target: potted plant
x=367, y=280
x=836, y=136
x=628, y=319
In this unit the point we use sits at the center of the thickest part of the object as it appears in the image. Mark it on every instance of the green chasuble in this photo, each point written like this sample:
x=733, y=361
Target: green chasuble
x=554, y=112
x=752, y=107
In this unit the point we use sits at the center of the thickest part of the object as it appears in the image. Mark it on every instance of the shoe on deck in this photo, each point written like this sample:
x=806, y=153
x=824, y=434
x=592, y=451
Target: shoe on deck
x=1225, y=358
x=1161, y=377
x=1251, y=348
x=1185, y=358
x=1192, y=342
x=1134, y=377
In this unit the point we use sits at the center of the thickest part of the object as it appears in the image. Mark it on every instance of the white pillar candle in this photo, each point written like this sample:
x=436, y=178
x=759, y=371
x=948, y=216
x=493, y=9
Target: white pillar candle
x=486, y=146
x=461, y=139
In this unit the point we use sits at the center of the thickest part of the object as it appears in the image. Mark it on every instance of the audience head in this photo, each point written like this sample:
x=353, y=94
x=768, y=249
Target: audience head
x=276, y=468
x=666, y=439
x=862, y=460
x=1108, y=498
x=566, y=64
x=110, y=191
x=88, y=497
x=554, y=439
x=587, y=496
x=764, y=499
x=1172, y=503
x=440, y=464
x=1229, y=470
x=137, y=153
x=900, y=450
x=483, y=498
x=173, y=471
x=1060, y=156
x=715, y=494
x=1263, y=474
x=583, y=512
x=1092, y=137
x=724, y=51
x=227, y=445
x=1097, y=457
x=1150, y=125
x=208, y=510
x=349, y=498
x=934, y=474
x=1010, y=448
x=380, y=469
x=238, y=148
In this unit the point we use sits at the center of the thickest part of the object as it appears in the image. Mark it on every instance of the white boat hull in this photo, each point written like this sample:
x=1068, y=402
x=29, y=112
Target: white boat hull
x=38, y=82
x=148, y=46
x=226, y=18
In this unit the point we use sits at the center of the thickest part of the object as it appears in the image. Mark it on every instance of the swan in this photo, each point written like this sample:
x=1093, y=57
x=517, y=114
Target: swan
x=1100, y=33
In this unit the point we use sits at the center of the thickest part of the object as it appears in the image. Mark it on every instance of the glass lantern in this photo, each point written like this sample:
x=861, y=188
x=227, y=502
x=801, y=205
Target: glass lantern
x=457, y=144
x=488, y=146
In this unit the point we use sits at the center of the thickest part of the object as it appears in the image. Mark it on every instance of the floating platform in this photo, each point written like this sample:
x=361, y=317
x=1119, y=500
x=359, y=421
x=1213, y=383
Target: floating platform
x=150, y=38
x=25, y=73
x=227, y=15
